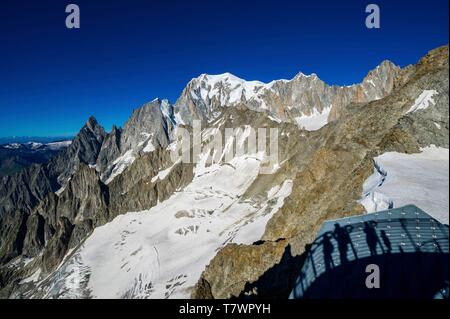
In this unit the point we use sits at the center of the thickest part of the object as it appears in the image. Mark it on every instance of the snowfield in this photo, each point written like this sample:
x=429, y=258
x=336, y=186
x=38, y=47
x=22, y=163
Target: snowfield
x=402, y=179
x=315, y=121
x=161, y=253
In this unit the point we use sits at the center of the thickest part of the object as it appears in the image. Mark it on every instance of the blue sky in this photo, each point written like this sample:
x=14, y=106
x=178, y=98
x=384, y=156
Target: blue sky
x=129, y=52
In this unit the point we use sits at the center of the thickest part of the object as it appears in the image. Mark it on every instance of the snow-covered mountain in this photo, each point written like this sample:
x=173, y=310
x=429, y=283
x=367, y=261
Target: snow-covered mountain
x=114, y=216
x=303, y=99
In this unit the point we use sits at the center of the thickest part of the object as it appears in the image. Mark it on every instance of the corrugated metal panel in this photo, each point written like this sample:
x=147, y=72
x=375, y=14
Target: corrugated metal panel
x=405, y=230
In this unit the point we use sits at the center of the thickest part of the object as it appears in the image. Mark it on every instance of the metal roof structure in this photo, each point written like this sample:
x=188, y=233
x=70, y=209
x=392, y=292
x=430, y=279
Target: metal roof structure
x=409, y=247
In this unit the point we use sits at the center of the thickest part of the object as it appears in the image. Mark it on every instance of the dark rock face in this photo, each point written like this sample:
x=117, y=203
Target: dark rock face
x=110, y=149
x=12, y=231
x=21, y=193
x=148, y=128
x=85, y=197
x=35, y=238
x=84, y=149
x=57, y=246
x=202, y=290
x=61, y=222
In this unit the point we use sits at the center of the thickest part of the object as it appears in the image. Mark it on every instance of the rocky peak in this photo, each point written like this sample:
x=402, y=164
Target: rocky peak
x=110, y=149
x=301, y=75
x=85, y=148
x=91, y=122
x=153, y=121
x=148, y=128
x=382, y=77
x=93, y=129
x=114, y=130
x=88, y=141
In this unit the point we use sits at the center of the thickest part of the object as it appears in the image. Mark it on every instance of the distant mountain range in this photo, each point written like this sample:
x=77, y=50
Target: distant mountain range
x=35, y=139
x=15, y=156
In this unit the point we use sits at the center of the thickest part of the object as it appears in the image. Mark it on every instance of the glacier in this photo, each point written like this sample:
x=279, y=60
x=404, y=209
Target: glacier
x=402, y=179
x=161, y=252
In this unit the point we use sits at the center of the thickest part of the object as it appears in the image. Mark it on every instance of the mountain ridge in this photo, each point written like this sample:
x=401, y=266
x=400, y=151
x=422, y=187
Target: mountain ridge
x=203, y=96
x=49, y=211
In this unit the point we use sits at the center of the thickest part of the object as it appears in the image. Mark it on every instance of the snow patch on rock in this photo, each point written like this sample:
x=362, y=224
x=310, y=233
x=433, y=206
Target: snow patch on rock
x=120, y=164
x=315, y=121
x=424, y=100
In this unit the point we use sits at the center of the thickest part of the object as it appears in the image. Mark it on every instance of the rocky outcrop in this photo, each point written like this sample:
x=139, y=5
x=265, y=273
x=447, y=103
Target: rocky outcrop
x=19, y=194
x=84, y=198
x=66, y=219
x=248, y=264
x=24, y=190
x=429, y=126
x=35, y=236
